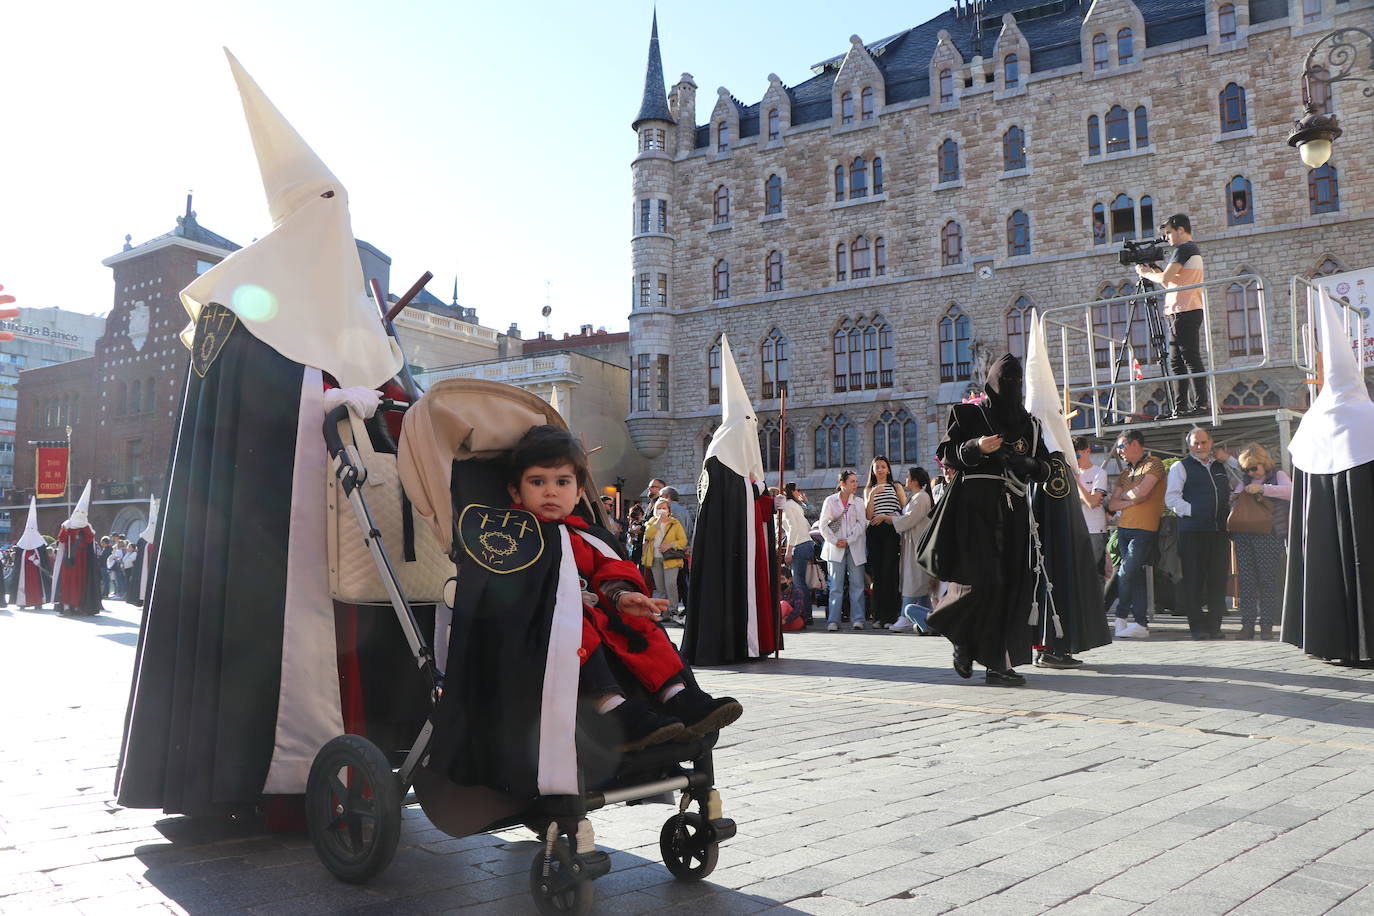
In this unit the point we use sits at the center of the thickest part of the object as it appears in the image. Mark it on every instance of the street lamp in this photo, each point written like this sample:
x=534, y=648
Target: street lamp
x=1336, y=54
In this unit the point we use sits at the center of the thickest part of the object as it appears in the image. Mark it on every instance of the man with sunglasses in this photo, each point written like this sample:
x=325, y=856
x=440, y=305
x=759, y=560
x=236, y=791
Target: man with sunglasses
x=1139, y=497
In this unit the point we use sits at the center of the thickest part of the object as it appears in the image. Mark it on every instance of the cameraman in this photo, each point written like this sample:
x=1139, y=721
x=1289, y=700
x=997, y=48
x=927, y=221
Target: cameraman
x=1184, y=311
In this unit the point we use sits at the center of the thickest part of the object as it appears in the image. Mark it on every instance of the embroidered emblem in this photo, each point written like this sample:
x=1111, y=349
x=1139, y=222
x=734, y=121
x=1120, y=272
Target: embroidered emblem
x=212, y=331
x=703, y=483
x=500, y=540
x=1060, y=483
x=1020, y=446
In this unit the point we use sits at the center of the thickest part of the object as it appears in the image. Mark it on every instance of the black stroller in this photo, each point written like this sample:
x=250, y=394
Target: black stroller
x=356, y=789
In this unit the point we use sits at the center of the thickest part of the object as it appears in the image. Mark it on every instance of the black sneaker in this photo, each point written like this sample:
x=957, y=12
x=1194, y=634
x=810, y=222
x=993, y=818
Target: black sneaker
x=643, y=727
x=702, y=713
x=963, y=662
x=1046, y=659
x=1008, y=678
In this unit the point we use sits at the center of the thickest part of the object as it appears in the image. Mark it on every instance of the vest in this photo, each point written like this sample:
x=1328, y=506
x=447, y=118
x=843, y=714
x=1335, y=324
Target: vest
x=1208, y=490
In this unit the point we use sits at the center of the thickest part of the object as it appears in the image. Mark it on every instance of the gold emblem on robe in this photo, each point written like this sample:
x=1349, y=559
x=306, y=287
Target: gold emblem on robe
x=500, y=540
x=213, y=327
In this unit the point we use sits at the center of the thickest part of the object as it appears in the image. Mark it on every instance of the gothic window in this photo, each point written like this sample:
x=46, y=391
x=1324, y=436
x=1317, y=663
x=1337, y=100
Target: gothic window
x=135, y=400
x=863, y=352
x=866, y=104
x=839, y=182
x=1099, y=224
x=1123, y=218
x=1125, y=46
x=774, y=124
x=773, y=195
x=837, y=443
x=946, y=86
x=951, y=244
x=1018, y=234
x=841, y=261
x=774, y=272
x=1323, y=190
x=722, y=136
x=877, y=174
x=858, y=258
x=1147, y=215
x=956, y=360
x=846, y=107
x=1018, y=326
x=770, y=441
x=1142, y=127
x=894, y=435
x=1094, y=136
x=841, y=351
x=713, y=373
x=720, y=280
x=1231, y=101
x=1013, y=149
x=858, y=178
x=1253, y=395
x=1011, y=71
x=1118, y=130
x=722, y=205
x=1099, y=52
x=949, y=161
x=1326, y=268
x=1239, y=207
x=773, y=356
x=880, y=257
x=1243, y=319
x=1226, y=22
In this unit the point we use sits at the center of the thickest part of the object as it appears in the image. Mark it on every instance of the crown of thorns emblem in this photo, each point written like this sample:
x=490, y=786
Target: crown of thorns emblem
x=499, y=543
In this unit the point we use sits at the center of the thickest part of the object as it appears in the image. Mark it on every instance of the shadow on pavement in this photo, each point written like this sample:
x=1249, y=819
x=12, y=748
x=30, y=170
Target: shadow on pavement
x=124, y=639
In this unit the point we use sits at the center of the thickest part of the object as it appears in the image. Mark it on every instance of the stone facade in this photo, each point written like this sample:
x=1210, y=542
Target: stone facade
x=1182, y=163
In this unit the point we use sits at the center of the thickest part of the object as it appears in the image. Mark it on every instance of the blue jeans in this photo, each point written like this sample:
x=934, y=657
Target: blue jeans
x=801, y=559
x=915, y=608
x=1134, y=544
x=838, y=570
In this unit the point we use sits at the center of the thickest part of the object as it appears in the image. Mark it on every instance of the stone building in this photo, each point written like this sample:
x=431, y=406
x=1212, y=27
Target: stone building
x=871, y=236
x=609, y=347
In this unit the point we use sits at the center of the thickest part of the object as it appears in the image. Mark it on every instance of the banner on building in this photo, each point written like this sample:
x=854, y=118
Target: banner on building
x=1357, y=288
x=51, y=476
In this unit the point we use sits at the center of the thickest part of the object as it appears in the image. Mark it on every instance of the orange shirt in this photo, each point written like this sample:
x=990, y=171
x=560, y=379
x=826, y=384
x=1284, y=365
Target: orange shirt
x=1144, y=515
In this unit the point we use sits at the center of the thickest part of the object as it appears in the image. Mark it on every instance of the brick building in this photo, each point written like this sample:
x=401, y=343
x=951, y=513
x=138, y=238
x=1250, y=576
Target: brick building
x=868, y=237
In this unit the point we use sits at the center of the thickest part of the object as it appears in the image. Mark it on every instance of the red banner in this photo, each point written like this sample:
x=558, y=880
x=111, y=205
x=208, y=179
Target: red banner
x=51, y=476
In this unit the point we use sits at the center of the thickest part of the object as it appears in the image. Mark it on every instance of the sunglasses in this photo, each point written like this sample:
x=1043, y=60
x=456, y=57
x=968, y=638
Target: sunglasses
x=1252, y=468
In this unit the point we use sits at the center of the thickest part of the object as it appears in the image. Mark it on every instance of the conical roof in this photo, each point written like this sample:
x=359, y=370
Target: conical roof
x=654, y=107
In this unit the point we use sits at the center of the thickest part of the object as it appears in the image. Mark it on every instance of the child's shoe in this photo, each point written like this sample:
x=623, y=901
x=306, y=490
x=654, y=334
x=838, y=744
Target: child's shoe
x=643, y=727
x=701, y=713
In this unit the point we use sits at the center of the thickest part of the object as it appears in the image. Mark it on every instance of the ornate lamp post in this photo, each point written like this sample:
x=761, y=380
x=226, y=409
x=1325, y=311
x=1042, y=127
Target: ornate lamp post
x=1336, y=56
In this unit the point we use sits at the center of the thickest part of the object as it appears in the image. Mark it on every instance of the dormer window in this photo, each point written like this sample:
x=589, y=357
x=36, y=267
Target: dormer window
x=1099, y=52
x=723, y=137
x=1226, y=22
x=946, y=86
x=1011, y=71
x=866, y=104
x=773, y=124
x=1125, y=47
x=847, y=107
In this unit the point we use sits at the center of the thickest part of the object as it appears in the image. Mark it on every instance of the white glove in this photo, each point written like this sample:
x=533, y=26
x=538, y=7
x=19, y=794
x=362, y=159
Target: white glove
x=362, y=401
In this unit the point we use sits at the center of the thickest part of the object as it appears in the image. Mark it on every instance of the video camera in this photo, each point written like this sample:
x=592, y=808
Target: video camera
x=1148, y=251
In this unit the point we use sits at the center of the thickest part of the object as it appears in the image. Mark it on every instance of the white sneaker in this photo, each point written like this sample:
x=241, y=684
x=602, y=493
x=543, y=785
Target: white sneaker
x=902, y=625
x=858, y=624
x=832, y=627
x=1134, y=631
x=1121, y=624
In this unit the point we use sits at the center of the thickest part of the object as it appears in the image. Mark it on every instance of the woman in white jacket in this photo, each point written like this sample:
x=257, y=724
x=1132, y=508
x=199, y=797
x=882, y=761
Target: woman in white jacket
x=844, y=525
x=911, y=525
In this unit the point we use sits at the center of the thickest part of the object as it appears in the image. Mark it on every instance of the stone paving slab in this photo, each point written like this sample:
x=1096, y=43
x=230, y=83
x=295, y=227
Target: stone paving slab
x=1166, y=776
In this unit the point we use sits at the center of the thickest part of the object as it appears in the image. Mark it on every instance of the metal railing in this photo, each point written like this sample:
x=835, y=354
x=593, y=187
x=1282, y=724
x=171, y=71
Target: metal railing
x=1303, y=338
x=1104, y=396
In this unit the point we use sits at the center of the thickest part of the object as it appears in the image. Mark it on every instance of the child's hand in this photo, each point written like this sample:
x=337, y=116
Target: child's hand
x=637, y=605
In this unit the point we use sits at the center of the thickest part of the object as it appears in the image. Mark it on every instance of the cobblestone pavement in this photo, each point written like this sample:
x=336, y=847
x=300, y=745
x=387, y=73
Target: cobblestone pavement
x=1167, y=777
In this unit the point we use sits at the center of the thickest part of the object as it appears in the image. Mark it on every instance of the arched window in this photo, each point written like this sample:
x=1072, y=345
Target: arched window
x=1011, y=71
x=149, y=387
x=135, y=399
x=1243, y=319
x=722, y=136
x=956, y=362
x=1323, y=190
x=1255, y=394
x=772, y=195
x=774, y=124
x=773, y=272
x=1125, y=47
x=1018, y=234
x=864, y=357
x=846, y=107
x=713, y=373
x=948, y=160
x=858, y=258
x=1240, y=210
x=1123, y=218
x=1018, y=325
x=770, y=441
x=841, y=348
x=1147, y=215
x=880, y=257
x=894, y=435
x=1142, y=127
x=1231, y=102
x=841, y=261
x=1099, y=224
x=1013, y=149
x=1099, y=52
x=837, y=443
x=839, y=182
x=946, y=86
x=722, y=205
x=773, y=356
x=877, y=174
x=720, y=280
x=1226, y=22
x=1118, y=130
x=866, y=104
x=1319, y=89
x=951, y=244
x=1094, y=136
x=858, y=178
x=121, y=400
x=1327, y=267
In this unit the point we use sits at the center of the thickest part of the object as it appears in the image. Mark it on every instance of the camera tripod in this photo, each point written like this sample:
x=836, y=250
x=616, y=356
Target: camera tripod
x=1159, y=343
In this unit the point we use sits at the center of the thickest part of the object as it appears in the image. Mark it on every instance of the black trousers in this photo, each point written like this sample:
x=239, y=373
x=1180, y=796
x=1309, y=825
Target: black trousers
x=1206, y=557
x=1186, y=356
x=884, y=565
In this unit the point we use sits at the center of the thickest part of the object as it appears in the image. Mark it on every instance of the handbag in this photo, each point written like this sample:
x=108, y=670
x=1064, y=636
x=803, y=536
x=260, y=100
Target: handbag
x=1251, y=514
x=937, y=551
x=420, y=564
x=672, y=553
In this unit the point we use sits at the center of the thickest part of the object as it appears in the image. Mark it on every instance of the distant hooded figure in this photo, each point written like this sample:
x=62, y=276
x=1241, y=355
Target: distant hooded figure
x=141, y=574
x=32, y=564
x=76, y=578
x=980, y=544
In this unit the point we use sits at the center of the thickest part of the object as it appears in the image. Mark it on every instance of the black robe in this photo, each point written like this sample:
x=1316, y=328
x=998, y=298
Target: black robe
x=1071, y=565
x=199, y=731
x=1328, y=607
x=79, y=560
x=722, y=579
x=141, y=573
x=45, y=557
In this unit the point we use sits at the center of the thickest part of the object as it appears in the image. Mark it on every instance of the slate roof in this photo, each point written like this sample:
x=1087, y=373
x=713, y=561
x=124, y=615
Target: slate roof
x=1051, y=28
x=187, y=228
x=654, y=107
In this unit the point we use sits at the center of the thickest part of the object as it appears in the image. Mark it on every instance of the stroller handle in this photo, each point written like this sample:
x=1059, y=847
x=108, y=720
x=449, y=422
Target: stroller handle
x=333, y=441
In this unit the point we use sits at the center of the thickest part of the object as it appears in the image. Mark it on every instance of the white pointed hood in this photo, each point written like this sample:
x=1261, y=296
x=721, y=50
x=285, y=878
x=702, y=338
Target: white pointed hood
x=299, y=289
x=736, y=441
x=79, y=518
x=1042, y=394
x=31, y=539
x=150, y=529
x=1337, y=432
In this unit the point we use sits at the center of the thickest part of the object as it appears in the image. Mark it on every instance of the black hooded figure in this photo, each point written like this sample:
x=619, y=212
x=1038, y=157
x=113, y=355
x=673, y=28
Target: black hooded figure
x=980, y=543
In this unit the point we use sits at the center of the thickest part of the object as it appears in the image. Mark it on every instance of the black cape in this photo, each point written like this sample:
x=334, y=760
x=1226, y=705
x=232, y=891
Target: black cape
x=199, y=732
x=1071, y=565
x=722, y=579
x=81, y=561
x=141, y=573
x=45, y=557
x=1328, y=606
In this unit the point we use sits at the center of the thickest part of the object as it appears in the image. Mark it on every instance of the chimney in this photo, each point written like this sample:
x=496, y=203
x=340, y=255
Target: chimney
x=585, y=330
x=513, y=331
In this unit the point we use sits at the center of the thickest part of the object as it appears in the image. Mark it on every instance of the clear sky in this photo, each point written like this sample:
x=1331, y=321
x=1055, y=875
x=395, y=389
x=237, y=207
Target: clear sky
x=483, y=139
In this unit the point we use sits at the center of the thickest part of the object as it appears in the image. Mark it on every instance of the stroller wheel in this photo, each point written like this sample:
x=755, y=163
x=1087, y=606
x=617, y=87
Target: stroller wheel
x=561, y=890
x=353, y=808
x=687, y=852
